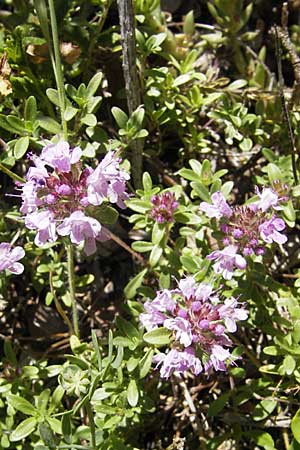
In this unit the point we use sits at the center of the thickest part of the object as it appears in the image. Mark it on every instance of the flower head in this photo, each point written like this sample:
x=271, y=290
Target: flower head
x=58, y=191
x=9, y=256
x=245, y=230
x=164, y=206
x=199, y=321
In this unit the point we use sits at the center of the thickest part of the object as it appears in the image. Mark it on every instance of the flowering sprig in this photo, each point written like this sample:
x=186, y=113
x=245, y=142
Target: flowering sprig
x=199, y=321
x=9, y=256
x=58, y=191
x=245, y=230
x=163, y=207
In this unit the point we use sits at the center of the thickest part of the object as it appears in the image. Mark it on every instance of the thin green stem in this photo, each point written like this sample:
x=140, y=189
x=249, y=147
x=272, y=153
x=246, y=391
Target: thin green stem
x=91, y=424
x=11, y=174
x=59, y=308
x=71, y=279
x=58, y=67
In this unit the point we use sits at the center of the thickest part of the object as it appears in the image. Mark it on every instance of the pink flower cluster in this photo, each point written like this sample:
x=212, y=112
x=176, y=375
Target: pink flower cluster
x=164, y=206
x=245, y=229
x=199, y=320
x=58, y=191
x=9, y=257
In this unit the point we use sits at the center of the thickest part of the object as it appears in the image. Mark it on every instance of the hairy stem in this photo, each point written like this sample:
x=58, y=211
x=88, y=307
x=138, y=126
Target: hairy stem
x=71, y=279
x=58, y=68
x=91, y=425
x=11, y=174
x=58, y=306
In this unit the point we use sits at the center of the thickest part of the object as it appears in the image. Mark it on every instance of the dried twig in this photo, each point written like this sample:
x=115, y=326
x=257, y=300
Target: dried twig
x=132, y=87
x=282, y=37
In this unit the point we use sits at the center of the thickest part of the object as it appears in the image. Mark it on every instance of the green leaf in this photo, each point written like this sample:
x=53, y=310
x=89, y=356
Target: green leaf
x=47, y=435
x=104, y=214
x=24, y=429
x=21, y=147
x=274, y=173
x=70, y=112
x=30, y=109
x=142, y=246
x=140, y=206
x=189, y=174
x=147, y=182
x=158, y=336
x=127, y=328
x=52, y=94
x=189, y=263
x=120, y=117
x=201, y=191
x=182, y=79
x=56, y=398
x=97, y=349
x=246, y=145
x=90, y=120
x=131, y=287
x=158, y=232
x=55, y=424
x=49, y=124
x=153, y=42
x=22, y=405
x=66, y=427
x=217, y=405
x=132, y=393
x=119, y=358
x=263, y=439
x=146, y=362
x=289, y=364
x=155, y=255
x=16, y=123
x=189, y=24
x=264, y=409
x=237, y=84
x=42, y=401
x=93, y=85
x=295, y=426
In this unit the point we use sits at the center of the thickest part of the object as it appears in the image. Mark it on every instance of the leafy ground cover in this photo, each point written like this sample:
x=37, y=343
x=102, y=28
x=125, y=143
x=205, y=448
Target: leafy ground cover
x=149, y=267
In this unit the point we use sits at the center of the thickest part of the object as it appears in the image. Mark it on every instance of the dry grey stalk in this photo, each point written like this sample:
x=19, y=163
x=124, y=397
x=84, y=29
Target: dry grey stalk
x=132, y=87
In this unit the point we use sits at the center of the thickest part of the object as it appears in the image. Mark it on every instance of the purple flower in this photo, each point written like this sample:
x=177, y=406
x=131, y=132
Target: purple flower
x=182, y=328
x=63, y=195
x=60, y=156
x=164, y=206
x=179, y=361
x=9, y=257
x=231, y=313
x=199, y=321
x=42, y=221
x=191, y=290
x=218, y=209
x=218, y=355
x=163, y=301
x=187, y=286
x=107, y=181
x=268, y=198
x=82, y=229
x=30, y=199
x=269, y=231
x=226, y=261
